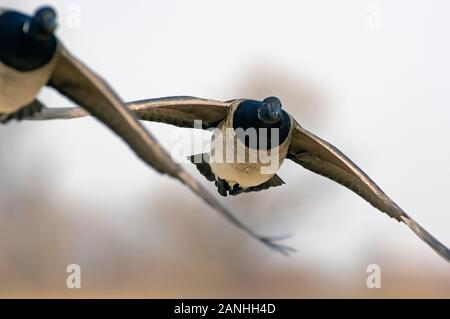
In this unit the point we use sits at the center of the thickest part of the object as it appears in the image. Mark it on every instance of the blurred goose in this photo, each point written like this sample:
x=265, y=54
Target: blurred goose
x=291, y=141
x=31, y=57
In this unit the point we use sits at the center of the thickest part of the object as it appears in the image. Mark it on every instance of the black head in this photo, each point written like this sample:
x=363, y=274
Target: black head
x=259, y=115
x=270, y=111
x=42, y=24
x=27, y=43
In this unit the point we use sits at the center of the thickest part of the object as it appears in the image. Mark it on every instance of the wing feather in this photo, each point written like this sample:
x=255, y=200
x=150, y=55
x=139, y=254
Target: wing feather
x=322, y=158
x=181, y=111
x=77, y=82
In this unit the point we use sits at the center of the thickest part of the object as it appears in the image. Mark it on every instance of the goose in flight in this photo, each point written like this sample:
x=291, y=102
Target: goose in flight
x=31, y=56
x=231, y=121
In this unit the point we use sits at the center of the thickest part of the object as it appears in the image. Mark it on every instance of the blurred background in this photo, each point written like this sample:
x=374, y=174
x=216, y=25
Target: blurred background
x=371, y=77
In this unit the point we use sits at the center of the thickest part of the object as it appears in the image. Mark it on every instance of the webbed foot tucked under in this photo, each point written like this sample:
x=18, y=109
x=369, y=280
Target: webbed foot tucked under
x=236, y=190
x=222, y=186
x=225, y=189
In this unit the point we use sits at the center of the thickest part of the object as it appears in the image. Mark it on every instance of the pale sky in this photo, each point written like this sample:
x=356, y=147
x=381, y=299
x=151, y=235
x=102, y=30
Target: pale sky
x=371, y=77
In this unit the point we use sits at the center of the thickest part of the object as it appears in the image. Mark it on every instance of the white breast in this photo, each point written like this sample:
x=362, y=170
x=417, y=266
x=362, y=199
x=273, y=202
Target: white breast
x=253, y=168
x=18, y=89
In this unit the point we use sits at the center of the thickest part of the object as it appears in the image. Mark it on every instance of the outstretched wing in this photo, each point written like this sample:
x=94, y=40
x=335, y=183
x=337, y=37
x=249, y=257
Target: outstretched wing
x=180, y=111
x=77, y=82
x=322, y=158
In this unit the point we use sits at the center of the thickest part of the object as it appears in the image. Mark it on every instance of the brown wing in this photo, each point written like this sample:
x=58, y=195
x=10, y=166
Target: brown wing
x=77, y=82
x=322, y=158
x=85, y=88
x=180, y=111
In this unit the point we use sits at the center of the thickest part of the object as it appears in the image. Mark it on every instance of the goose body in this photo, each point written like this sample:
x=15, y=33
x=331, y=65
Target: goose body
x=296, y=144
x=240, y=164
x=18, y=89
x=31, y=57
x=27, y=57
